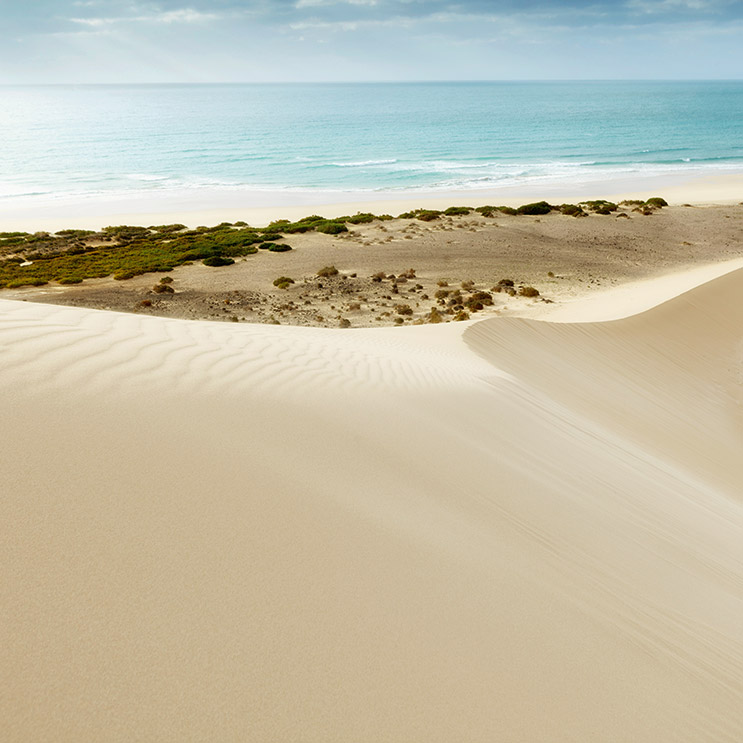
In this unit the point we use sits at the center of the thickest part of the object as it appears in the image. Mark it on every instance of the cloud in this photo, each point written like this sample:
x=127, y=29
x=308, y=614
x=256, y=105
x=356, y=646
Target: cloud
x=182, y=15
x=325, y=3
x=665, y=6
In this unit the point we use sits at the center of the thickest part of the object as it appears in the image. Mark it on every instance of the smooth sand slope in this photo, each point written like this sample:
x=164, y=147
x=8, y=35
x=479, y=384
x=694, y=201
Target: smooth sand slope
x=506, y=530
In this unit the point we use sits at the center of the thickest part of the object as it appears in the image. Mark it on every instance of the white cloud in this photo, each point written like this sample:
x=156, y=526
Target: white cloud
x=324, y=3
x=183, y=15
x=662, y=6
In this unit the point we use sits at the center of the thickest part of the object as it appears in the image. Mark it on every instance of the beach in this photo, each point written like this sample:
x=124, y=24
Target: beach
x=508, y=529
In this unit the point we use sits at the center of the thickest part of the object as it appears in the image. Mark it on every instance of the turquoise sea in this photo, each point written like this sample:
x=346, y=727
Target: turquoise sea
x=86, y=141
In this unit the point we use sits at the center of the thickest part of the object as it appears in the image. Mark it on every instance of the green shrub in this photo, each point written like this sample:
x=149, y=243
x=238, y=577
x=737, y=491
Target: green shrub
x=539, y=207
x=279, y=248
x=30, y=281
x=70, y=280
x=657, y=202
x=358, y=218
x=403, y=309
x=572, y=210
x=456, y=211
x=166, y=280
x=507, y=210
x=601, y=206
x=331, y=227
x=217, y=260
x=283, y=282
x=425, y=215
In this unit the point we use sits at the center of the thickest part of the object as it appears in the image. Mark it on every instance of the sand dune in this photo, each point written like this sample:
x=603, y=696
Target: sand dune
x=506, y=530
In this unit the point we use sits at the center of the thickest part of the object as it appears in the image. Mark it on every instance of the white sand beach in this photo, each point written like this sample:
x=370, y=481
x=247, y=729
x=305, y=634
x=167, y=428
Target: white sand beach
x=258, y=208
x=500, y=530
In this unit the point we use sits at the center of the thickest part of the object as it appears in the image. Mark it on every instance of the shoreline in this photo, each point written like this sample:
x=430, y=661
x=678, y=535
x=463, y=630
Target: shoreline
x=258, y=208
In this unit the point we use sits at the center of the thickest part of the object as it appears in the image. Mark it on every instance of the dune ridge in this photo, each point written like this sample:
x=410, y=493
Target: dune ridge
x=498, y=530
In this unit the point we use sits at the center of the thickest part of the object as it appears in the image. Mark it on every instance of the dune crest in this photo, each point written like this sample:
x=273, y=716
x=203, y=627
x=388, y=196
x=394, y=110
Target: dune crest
x=501, y=530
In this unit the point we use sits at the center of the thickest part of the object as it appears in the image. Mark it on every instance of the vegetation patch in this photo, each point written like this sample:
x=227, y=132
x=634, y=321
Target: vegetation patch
x=539, y=207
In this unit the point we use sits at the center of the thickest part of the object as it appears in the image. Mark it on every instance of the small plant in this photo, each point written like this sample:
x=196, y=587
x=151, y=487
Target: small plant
x=528, y=291
x=482, y=297
x=461, y=315
x=344, y=323
x=456, y=211
x=328, y=271
x=656, y=202
x=601, y=206
x=146, y=303
x=65, y=280
x=283, y=282
x=434, y=316
x=331, y=227
x=162, y=289
x=539, y=207
x=166, y=280
x=486, y=211
x=215, y=261
x=572, y=210
x=468, y=285
x=403, y=309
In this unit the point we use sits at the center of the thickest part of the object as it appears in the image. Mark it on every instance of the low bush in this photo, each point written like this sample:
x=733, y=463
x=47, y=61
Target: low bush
x=657, y=202
x=456, y=211
x=331, y=227
x=528, y=291
x=403, y=309
x=283, y=280
x=30, y=281
x=482, y=297
x=572, y=210
x=539, y=207
x=328, y=271
x=601, y=206
x=215, y=261
x=162, y=289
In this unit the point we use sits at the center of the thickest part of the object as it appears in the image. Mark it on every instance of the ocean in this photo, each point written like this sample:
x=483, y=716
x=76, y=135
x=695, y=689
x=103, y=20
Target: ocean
x=82, y=142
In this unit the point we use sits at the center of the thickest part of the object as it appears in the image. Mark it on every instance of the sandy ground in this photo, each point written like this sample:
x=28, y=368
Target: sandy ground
x=497, y=530
x=564, y=258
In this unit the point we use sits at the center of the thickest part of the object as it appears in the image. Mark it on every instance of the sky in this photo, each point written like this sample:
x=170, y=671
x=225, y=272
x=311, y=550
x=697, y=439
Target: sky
x=126, y=41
